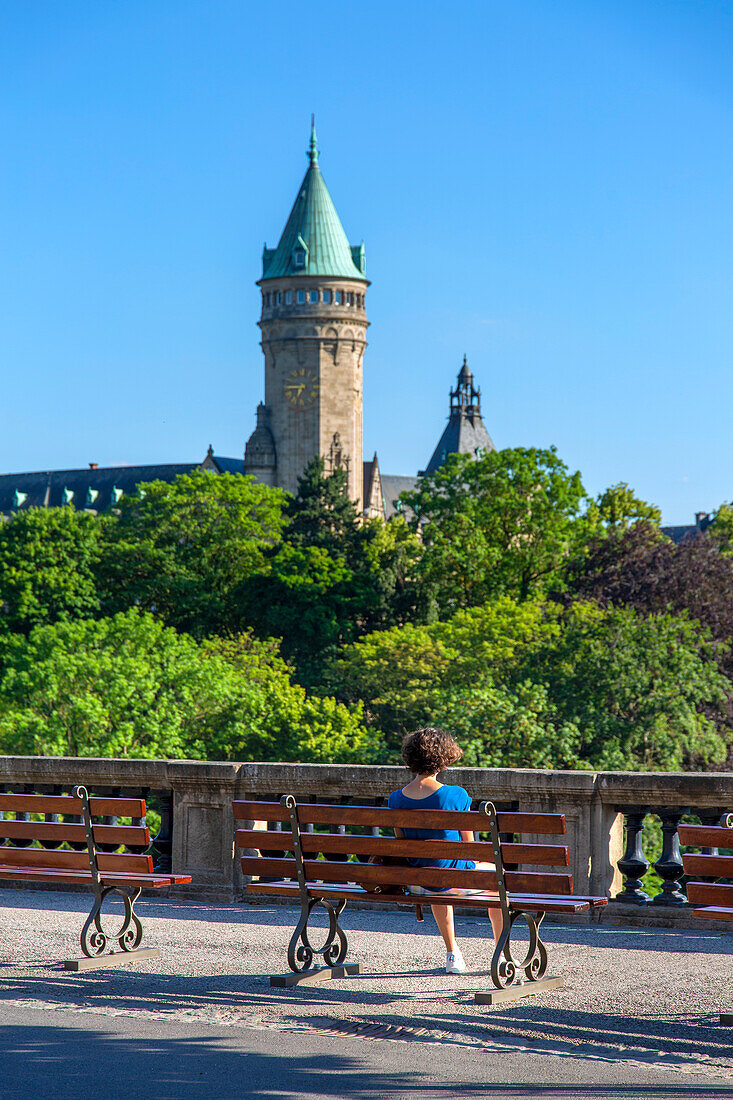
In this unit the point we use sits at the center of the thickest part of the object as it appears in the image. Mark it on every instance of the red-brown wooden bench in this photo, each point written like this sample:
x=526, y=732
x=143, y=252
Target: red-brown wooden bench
x=712, y=900
x=328, y=869
x=39, y=844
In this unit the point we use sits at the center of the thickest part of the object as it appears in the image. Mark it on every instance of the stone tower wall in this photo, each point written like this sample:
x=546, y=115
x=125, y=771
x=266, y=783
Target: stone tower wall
x=314, y=352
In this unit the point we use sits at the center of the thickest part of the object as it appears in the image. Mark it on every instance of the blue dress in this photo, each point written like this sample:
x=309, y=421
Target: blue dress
x=445, y=798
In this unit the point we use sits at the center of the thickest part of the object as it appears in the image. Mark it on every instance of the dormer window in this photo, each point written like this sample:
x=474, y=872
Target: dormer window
x=299, y=257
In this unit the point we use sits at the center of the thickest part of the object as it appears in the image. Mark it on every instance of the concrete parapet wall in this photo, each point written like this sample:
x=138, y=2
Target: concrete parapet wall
x=202, y=792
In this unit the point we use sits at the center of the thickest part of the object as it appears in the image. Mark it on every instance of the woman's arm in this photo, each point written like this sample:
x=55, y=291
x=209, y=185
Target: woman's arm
x=466, y=835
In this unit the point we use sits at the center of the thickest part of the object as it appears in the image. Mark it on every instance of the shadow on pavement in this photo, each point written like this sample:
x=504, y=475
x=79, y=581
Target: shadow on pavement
x=672, y=1040
x=68, y=1062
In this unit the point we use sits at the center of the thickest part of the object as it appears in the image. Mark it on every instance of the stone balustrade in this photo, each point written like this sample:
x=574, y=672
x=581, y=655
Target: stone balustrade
x=196, y=836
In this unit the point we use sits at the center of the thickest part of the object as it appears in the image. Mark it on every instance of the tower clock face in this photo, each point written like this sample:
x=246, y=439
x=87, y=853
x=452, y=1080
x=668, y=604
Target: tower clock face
x=301, y=387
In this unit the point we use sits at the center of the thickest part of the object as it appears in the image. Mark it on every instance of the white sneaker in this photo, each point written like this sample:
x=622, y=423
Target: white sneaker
x=454, y=963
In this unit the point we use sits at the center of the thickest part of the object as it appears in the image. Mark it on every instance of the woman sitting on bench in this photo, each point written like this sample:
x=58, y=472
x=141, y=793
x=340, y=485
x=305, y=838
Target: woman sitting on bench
x=426, y=752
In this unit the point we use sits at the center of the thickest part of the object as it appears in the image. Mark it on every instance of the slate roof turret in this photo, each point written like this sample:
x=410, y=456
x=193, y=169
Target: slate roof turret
x=465, y=432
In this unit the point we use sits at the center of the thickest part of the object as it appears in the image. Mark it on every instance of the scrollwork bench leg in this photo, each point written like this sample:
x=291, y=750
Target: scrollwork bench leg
x=506, y=971
x=94, y=939
x=333, y=949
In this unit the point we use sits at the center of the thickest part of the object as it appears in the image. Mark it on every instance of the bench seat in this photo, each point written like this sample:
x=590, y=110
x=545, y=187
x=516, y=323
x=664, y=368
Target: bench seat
x=478, y=900
x=51, y=874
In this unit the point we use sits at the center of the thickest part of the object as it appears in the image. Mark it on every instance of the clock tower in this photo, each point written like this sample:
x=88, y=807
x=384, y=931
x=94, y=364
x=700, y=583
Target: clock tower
x=313, y=326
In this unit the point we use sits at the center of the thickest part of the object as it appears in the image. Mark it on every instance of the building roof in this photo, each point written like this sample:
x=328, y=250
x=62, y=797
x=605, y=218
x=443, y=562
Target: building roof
x=465, y=432
x=392, y=486
x=228, y=465
x=313, y=241
x=688, y=531
x=97, y=488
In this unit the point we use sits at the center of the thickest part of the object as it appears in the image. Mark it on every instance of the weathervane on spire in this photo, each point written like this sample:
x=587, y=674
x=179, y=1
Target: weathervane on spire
x=313, y=153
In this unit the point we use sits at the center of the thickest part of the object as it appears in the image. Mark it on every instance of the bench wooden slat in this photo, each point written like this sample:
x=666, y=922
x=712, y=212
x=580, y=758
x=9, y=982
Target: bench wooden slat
x=541, y=882
x=542, y=824
x=713, y=912
x=373, y=816
x=710, y=893
x=524, y=903
x=55, y=857
x=550, y=855
x=706, y=836
x=540, y=855
x=135, y=835
x=714, y=866
x=48, y=874
x=67, y=804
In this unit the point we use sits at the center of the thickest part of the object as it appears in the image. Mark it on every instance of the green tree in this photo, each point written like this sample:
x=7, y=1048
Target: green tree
x=129, y=686
x=721, y=529
x=306, y=598
x=322, y=514
x=645, y=690
x=619, y=506
x=508, y=727
x=182, y=549
x=640, y=567
x=502, y=523
x=332, y=578
x=399, y=673
x=608, y=687
x=47, y=567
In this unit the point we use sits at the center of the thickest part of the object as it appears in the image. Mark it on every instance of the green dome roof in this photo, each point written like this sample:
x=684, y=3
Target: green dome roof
x=313, y=241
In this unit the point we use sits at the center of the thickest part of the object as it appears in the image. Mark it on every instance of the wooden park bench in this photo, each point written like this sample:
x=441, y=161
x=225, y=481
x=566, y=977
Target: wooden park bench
x=712, y=900
x=329, y=869
x=52, y=838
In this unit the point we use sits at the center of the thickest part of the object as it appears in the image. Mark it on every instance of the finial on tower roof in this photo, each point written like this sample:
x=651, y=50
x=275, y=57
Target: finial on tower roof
x=465, y=375
x=313, y=152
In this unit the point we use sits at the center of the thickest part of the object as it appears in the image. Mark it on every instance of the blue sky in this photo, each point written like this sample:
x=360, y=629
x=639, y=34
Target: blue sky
x=547, y=187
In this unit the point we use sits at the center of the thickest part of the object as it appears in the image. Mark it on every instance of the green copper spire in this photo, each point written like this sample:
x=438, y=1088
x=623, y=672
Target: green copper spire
x=313, y=241
x=313, y=153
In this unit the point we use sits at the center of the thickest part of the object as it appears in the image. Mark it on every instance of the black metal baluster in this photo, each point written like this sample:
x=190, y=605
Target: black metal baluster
x=109, y=792
x=162, y=844
x=55, y=819
x=669, y=865
x=633, y=865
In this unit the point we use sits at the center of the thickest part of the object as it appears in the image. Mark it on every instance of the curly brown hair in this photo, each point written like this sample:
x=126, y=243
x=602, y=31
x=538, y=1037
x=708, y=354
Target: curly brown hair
x=429, y=750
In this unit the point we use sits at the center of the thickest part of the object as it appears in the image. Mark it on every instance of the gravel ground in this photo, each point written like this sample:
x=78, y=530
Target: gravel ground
x=642, y=997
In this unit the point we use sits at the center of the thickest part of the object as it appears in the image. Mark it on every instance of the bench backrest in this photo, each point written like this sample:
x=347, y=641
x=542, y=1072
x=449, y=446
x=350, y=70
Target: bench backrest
x=325, y=855
x=50, y=831
x=708, y=865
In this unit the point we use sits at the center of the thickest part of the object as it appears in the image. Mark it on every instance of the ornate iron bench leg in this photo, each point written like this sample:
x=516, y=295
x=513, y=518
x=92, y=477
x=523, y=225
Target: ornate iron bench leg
x=505, y=968
x=333, y=949
x=335, y=946
x=94, y=939
x=506, y=971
